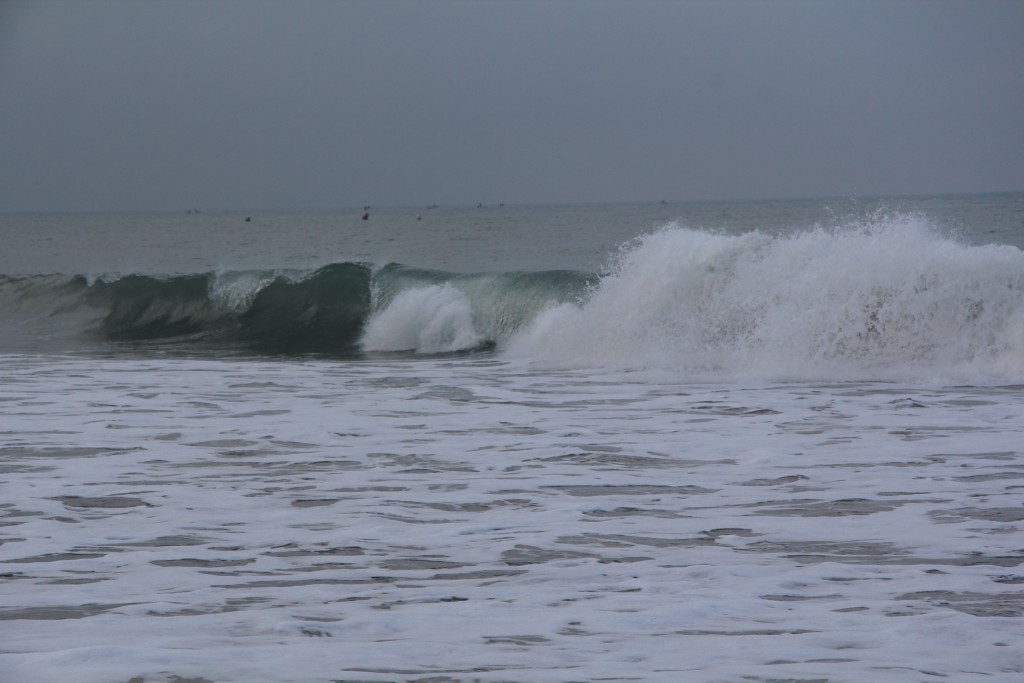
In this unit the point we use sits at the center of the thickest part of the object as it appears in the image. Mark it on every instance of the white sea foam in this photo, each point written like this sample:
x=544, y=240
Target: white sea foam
x=433, y=319
x=477, y=520
x=889, y=298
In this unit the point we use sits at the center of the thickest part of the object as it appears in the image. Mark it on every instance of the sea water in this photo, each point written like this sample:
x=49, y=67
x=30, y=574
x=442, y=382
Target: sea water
x=748, y=441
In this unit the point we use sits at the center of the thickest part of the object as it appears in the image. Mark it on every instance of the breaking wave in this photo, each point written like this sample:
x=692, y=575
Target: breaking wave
x=343, y=309
x=888, y=298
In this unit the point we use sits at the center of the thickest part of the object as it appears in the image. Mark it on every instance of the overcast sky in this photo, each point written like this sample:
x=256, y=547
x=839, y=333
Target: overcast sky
x=243, y=104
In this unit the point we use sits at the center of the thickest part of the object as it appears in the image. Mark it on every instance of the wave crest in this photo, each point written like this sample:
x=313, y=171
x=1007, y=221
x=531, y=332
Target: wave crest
x=883, y=299
x=887, y=298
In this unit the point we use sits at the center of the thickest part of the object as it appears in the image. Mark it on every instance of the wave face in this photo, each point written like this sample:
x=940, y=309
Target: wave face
x=424, y=311
x=888, y=298
x=343, y=309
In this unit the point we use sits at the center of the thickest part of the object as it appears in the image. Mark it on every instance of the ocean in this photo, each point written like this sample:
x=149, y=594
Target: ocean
x=706, y=442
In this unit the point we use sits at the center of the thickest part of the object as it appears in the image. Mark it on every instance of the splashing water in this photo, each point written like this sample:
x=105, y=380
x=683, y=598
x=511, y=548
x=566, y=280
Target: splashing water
x=882, y=299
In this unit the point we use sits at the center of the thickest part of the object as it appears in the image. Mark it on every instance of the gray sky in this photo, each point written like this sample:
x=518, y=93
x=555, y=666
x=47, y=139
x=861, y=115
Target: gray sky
x=150, y=104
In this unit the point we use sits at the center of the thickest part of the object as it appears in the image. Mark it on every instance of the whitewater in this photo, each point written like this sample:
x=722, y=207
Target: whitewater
x=752, y=441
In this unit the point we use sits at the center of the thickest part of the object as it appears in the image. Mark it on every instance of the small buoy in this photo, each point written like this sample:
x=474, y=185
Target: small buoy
x=419, y=217
x=366, y=215
x=248, y=219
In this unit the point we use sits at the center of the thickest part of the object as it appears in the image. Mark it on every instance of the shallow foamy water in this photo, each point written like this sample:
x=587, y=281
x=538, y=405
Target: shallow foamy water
x=476, y=520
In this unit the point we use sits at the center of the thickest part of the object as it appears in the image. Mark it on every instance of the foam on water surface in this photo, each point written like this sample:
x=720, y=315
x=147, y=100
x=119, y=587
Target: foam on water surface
x=482, y=520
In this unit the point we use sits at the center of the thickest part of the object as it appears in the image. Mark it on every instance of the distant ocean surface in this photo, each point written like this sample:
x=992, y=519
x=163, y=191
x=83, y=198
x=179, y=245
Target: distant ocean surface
x=720, y=441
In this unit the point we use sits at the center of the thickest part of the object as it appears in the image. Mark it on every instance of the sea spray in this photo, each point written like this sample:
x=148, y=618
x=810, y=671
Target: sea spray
x=889, y=297
x=432, y=319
